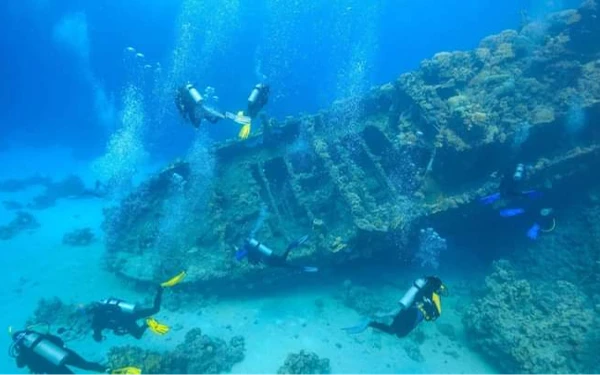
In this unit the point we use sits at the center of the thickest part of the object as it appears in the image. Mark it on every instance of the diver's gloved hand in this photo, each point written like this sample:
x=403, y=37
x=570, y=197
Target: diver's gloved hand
x=534, y=231
x=490, y=198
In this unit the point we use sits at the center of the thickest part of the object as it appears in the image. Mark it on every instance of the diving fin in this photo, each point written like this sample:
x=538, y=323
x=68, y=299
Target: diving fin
x=127, y=370
x=358, y=328
x=244, y=131
x=298, y=242
x=174, y=280
x=156, y=327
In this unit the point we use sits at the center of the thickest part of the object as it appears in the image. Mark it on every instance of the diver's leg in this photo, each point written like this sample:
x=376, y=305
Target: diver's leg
x=136, y=330
x=76, y=360
x=276, y=261
x=406, y=321
x=147, y=312
x=286, y=253
x=382, y=327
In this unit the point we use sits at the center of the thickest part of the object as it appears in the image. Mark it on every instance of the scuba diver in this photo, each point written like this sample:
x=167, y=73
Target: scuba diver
x=192, y=108
x=259, y=253
x=511, y=186
x=190, y=104
x=44, y=353
x=121, y=317
x=259, y=97
x=524, y=202
x=421, y=302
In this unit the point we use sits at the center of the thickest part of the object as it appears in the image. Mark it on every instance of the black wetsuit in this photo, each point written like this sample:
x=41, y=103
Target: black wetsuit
x=111, y=316
x=255, y=256
x=187, y=108
x=26, y=357
x=422, y=308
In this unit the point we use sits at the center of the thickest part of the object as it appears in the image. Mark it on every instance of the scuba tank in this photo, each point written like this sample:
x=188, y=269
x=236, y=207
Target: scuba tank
x=411, y=294
x=194, y=94
x=255, y=93
x=44, y=348
x=124, y=307
x=257, y=99
x=261, y=248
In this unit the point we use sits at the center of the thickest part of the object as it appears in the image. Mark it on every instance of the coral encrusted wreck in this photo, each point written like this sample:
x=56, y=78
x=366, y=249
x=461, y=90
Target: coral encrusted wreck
x=426, y=145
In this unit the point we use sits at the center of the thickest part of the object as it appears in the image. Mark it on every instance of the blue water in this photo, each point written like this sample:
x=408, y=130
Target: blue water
x=66, y=72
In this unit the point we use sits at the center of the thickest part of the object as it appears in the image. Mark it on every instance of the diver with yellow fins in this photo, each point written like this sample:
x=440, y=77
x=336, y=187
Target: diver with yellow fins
x=421, y=302
x=44, y=353
x=193, y=108
x=121, y=317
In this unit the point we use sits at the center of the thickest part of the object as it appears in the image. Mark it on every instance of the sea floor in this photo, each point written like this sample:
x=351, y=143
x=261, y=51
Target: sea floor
x=38, y=265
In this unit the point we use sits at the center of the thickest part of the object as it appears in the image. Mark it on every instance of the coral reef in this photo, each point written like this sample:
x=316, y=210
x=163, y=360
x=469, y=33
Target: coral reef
x=198, y=354
x=305, y=363
x=23, y=221
x=363, y=300
x=424, y=148
x=15, y=185
x=201, y=354
x=149, y=361
x=71, y=186
x=67, y=320
x=79, y=237
x=527, y=326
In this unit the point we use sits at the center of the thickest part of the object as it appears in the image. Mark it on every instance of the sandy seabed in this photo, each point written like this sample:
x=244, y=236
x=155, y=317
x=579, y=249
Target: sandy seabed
x=38, y=265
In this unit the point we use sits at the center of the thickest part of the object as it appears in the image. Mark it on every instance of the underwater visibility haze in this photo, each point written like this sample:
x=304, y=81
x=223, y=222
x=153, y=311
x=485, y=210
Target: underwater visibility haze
x=300, y=187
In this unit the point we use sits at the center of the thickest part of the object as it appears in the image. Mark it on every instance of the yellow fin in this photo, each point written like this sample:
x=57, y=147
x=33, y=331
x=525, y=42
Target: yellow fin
x=156, y=327
x=174, y=280
x=127, y=371
x=244, y=131
x=437, y=302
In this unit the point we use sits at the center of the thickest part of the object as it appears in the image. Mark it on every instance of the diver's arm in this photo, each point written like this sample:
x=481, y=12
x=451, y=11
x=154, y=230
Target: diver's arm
x=97, y=334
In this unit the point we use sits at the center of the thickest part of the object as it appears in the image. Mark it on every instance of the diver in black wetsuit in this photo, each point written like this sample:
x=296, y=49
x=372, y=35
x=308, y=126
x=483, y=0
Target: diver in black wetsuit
x=421, y=302
x=259, y=253
x=121, y=317
x=259, y=97
x=191, y=106
x=47, y=354
x=526, y=203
